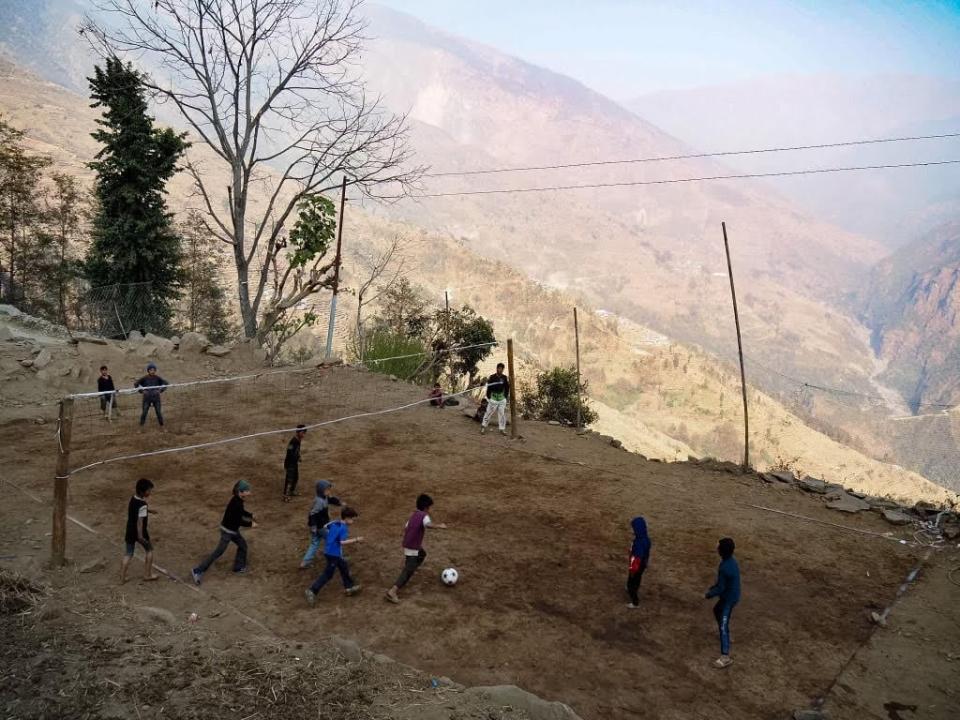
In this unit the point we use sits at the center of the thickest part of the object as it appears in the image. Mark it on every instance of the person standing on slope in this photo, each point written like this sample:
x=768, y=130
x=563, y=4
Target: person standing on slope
x=727, y=592
x=498, y=392
x=151, y=386
x=291, y=464
x=639, y=559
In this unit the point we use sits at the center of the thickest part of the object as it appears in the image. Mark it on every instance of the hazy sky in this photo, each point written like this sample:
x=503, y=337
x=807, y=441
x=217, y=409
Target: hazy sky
x=624, y=48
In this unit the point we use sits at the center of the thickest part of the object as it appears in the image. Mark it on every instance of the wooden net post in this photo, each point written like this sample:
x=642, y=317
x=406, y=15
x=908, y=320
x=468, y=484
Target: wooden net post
x=58, y=542
x=513, y=391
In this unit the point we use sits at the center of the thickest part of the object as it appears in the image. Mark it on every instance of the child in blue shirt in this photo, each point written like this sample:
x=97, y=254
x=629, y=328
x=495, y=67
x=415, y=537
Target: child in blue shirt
x=727, y=592
x=337, y=536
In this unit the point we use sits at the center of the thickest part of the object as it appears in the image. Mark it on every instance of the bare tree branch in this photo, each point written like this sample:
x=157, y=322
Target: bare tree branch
x=270, y=87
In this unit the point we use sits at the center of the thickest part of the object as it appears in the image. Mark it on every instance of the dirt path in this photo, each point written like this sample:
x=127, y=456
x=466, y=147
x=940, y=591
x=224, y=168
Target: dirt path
x=540, y=545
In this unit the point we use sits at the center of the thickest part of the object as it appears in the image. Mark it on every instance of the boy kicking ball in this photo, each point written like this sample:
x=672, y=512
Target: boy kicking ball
x=413, y=552
x=137, y=534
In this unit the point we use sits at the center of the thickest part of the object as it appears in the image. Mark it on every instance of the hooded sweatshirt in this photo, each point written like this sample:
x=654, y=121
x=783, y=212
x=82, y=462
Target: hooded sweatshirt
x=727, y=587
x=320, y=512
x=640, y=551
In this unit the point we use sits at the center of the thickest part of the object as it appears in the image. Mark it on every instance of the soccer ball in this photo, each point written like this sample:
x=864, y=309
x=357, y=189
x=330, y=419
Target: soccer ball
x=449, y=576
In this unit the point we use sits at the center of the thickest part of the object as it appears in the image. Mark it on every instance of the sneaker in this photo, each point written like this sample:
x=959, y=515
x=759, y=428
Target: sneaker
x=311, y=597
x=483, y=431
x=632, y=606
x=503, y=432
x=240, y=571
x=353, y=590
x=196, y=575
x=392, y=598
x=723, y=661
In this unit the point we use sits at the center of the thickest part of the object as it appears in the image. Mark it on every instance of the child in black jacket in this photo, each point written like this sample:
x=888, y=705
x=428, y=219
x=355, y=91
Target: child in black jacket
x=234, y=517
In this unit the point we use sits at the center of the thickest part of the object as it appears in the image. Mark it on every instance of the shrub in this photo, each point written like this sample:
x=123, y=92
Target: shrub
x=384, y=343
x=555, y=397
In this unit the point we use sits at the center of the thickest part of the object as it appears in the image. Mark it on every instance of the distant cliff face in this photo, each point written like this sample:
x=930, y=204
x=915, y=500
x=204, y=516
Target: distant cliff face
x=912, y=306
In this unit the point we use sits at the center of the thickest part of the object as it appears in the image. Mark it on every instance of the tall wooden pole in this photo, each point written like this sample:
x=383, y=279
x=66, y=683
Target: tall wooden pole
x=743, y=374
x=576, y=336
x=336, y=270
x=513, y=391
x=58, y=543
x=446, y=299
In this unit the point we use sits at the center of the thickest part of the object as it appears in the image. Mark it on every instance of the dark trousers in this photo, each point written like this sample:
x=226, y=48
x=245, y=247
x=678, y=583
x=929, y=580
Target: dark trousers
x=149, y=402
x=239, y=562
x=105, y=402
x=722, y=612
x=633, y=585
x=410, y=565
x=290, y=482
x=333, y=564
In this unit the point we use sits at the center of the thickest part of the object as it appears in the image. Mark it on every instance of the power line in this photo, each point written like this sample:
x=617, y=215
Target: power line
x=693, y=156
x=739, y=176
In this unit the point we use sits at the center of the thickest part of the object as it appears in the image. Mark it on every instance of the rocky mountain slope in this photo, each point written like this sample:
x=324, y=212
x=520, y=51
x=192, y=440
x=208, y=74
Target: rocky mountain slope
x=912, y=306
x=660, y=398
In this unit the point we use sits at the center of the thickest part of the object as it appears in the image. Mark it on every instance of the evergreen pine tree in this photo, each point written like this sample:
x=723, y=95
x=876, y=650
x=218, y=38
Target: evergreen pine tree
x=134, y=240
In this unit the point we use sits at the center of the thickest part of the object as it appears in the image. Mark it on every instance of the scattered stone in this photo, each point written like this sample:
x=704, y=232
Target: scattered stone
x=42, y=359
x=194, y=342
x=857, y=494
x=552, y=422
x=951, y=530
x=896, y=517
x=27, y=363
x=925, y=509
x=878, y=619
x=134, y=336
x=156, y=614
x=39, y=421
x=810, y=715
x=849, y=504
x=616, y=443
x=92, y=339
x=877, y=503
x=535, y=707
x=811, y=484
x=348, y=648
x=218, y=350
x=93, y=566
x=5, y=333
x=175, y=339
x=784, y=476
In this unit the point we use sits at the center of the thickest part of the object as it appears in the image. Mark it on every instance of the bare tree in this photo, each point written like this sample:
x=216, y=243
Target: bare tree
x=380, y=270
x=271, y=87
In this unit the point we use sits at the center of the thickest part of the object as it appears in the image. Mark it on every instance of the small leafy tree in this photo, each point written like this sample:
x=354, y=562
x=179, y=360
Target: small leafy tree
x=133, y=236
x=462, y=328
x=204, y=303
x=403, y=309
x=306, y=272
x=555, y=396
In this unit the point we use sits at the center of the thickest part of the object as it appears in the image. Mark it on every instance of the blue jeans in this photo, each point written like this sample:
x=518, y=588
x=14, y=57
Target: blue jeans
x=239, y=562
x=316, y=542
x=334, y=563
x=722, y=613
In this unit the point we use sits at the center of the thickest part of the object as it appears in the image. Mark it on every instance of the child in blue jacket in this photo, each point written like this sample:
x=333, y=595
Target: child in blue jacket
x=639, y=559
x=727, y=592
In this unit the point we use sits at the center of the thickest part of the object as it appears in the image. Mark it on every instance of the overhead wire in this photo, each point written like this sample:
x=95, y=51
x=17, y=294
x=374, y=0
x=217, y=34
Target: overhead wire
x=704, y=178
x=692, y=156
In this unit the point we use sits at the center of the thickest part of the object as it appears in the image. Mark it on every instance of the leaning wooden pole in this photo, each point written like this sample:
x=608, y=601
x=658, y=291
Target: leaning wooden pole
x=58, y=542
x=743, y=374
x=513, y=391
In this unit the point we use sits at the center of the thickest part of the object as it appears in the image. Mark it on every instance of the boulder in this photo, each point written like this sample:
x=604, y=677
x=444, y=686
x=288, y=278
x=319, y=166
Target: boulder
x=896, y=517
x=193, y=342
x=849, y=504
x=812, y=485
x=5, y=334
x=552, y=422
x=616, y=443
x=951, y=530
x=175, y=339
x=218, y=350
x=10, y=311
x=161, y=346
x=134, y=336
x=878, y=503
x=512, y=696
x=783, y=476
x=82, y=337
x=43, y=359
x=925, y=509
